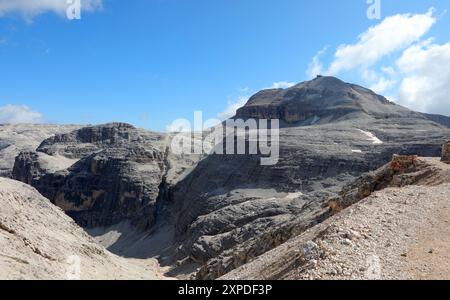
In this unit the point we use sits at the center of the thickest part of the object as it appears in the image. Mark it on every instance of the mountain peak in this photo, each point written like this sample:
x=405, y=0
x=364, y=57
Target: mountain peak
x=324, y=99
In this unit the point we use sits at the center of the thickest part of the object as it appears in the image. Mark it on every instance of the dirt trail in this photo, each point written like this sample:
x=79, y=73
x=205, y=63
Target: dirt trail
x=430, y=257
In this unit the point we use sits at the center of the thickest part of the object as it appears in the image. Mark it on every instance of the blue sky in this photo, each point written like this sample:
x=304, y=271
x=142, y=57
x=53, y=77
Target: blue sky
x=149, y=62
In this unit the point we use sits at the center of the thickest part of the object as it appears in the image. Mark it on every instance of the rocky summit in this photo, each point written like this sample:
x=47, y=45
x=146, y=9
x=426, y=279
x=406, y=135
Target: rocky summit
x=205, y=216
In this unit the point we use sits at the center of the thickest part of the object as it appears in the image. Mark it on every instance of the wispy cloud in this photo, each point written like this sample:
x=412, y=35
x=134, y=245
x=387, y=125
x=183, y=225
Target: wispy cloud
x=13, y=114
x=316, y=66
x=281, y=85
x=31, y=8
x=232, y=108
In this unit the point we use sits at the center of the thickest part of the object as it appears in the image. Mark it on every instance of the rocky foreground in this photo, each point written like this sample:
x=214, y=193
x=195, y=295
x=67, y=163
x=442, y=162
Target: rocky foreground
x=39, y=241
x=398, y=232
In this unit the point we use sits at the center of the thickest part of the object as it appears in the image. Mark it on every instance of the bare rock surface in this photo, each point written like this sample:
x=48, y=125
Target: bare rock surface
x=39, y=241
x=446, y=153
x=15, y=138
x=443, y=120
x=399, y=232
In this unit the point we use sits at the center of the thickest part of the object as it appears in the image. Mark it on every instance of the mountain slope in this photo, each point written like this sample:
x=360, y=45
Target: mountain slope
x=38, y=241
x=443, y=120
x=398, y=232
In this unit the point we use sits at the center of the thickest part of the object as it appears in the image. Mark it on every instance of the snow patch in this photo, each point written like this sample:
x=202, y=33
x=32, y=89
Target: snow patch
x=292, y=196
x=372, y=137
x=357, y=151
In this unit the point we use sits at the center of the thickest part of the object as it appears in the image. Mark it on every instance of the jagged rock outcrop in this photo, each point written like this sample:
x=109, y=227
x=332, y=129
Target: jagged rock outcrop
x=446, y=153
x=113, y=175
x=403, y=170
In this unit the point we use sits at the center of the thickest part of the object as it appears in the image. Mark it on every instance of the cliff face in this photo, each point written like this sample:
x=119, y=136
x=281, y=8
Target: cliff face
x=99, y=175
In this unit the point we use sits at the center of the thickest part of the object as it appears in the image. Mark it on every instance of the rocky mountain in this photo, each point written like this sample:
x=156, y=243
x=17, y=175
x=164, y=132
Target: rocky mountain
x=206, y=216
x=321, y=101
x=39, y=241
x=443, y=120
x=23, y=137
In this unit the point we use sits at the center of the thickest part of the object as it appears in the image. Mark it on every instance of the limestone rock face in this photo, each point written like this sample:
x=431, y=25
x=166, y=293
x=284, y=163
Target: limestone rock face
x=114, y=174
x=446, y=153
x=16, y=138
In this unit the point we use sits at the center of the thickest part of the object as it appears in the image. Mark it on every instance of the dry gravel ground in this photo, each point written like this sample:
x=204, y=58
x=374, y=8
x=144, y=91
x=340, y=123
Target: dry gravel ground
x=39, y=241
x=396, y=233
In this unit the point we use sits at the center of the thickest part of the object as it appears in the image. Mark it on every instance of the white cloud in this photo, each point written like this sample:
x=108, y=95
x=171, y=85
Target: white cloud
x=316, y=66
x=32, y=8
x=232, y=108
x=393, y=34
x=426, y=77
x=180, y=125
x=382, y=85
x=14, y=114
x=280, y=85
